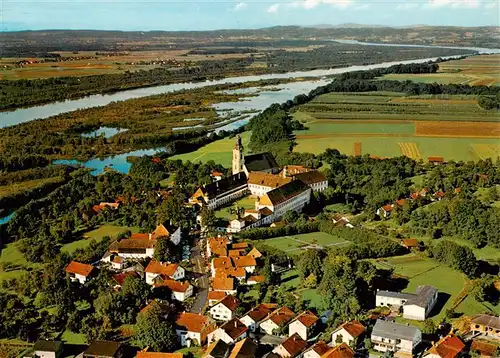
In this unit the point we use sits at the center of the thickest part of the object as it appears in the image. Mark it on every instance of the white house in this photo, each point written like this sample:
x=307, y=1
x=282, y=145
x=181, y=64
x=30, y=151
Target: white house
x=47, y=349
x=225, y=309
x=180, y=290
x=416, y=306
x=224, y=284
x=171, y=232
x=390, y=298
x=230, y=332
x=215, y=296
x=246, y=262
x=390, y=336
x=275, y=320
x=133, y=248
x=303, y=325
x=163, y=270
x=317, y=350
x=322, y=350
x=220, y=263
x=290, y=347
x=385, y=211
x=192, y=328
x=253, y=318
x=80, y=272
x=348, y=332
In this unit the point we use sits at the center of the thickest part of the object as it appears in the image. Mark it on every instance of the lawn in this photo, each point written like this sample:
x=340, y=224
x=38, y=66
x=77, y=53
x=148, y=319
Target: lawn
x=97, y=234
x=486, y=253
x=17, y=188
x=221, y=151
x=293, y=244
x=73, y=338
x=11, y=254
x=247, y=202
x=196, y=351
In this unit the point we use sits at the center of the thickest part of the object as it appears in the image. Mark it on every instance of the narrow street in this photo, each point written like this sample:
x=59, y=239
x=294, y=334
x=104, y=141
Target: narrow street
x=199, y=268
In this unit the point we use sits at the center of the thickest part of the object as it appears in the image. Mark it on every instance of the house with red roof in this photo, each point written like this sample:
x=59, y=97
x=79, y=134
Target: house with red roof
x=80, y=272
x=304, y=325
x=447, y=347
x=348, y=332
x=119, y=278
x=215, y=296
x=340, y=351
x=290, y=347
x=385, y=211
x=276, y=319
x=193, y=328
x=163, y=270
x=230, y=332
x=225, y=309
x=253, y=318
x=180, y=290
x=317, y=350
x=224, y=284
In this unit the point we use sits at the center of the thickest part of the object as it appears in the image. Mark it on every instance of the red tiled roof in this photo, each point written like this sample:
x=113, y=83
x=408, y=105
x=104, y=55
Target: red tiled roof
x=244, y=261
x=261, y=311
x=340, y=351
x=120, y=277
x=435, y=159
x=234, y=328
x=222, y=262
x=159, y=268
x=140, y=236
x=231, y=302
x=254, y=253
x=174, y=286
x=161, y=231
x=307, y=318
x=294, y=344
x=354, y=328
x=400, y=202
x=238, y=272
x=257, y=278
x=223, y=284
x=216, y=295
x=321, y=348
x=439, y=194
x=415, y=196
x=79, y=268
x=239, y=245
x=131, y=244
x=218, y=246
x=387, y=207
x=282, y=315
x=409, y=243
x=236, y=253
x=192, y=322
x=486, y=349
x=244, y=349
x=448, y=347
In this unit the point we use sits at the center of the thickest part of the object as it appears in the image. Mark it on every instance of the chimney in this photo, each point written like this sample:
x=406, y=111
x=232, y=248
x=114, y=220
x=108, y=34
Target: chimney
x=284, y=171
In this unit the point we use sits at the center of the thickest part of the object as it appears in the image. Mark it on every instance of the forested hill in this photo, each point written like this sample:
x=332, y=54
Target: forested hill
x=142, y=40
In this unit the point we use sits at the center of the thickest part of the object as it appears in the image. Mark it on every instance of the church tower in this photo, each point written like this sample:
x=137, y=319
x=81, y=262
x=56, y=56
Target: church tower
x=238, y=156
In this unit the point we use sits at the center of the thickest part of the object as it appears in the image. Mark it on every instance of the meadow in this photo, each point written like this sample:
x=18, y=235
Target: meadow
x=294, y=244
x=387, y=124
x=475, y=70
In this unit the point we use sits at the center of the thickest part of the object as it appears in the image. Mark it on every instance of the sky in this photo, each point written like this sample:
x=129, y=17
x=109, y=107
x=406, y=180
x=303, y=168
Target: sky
x=239, y=14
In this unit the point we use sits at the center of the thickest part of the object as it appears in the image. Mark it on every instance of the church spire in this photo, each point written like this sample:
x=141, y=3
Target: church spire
x=238, y=156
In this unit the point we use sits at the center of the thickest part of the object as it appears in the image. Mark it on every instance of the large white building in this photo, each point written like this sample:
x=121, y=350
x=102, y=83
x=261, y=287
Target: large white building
x=221, y=192
x=415, y=306
x=260, y=183
x=390, y=336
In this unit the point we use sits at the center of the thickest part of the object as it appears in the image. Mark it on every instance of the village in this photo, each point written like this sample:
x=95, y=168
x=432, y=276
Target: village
x=206, y=291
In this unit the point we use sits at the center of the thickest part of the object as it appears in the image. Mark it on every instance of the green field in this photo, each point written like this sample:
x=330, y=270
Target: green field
x=388, y=124
x=221, y=151
x=293, y=244
x=247, y=202
x=97, y=234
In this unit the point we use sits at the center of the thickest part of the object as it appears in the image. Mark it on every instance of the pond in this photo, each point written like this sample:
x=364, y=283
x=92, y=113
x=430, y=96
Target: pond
x=107, y=132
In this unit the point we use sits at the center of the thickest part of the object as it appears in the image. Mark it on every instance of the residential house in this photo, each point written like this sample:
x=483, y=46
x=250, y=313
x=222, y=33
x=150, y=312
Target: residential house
x=436, y=160
x=256, y=254
x=236, y=253
x=80, y=272
x=217, y=349
x=485, y=350
x=217, y=246
x=225, y=309
x=173, y=233
x=245, y=348
x=447, y=347
x=180, y=290
x=47, y=349
x=410, y=243
x=215, y=296
x=253, y=280
x=119, y=278
x=317, y=350
x=487, y=325
x=259, y=183
x=340, y=351
x=220, y=263
x=238, y=273
x=192, y=328
x=246, y=262
x=103, y=205
x=394, y=337
x=239, y=245
x=290, y=347
x=304, y=325
x=316, y=180
x=276, y=320
x=253, y=318
x=103, y=349
x=221, y=192
x=385, y=211
x=224, y=284
x=341, y=221
x=145, y=354
x=348, y=332
x=164, y=270
x=230, y=332
x=439, y=195
x=133, y=248
x=416, y=306
x=117, y=263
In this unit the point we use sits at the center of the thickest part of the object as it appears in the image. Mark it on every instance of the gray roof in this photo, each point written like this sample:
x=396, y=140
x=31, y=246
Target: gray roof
x=47, y=346
x=219, y=350
x=393, y=330
x=102, y=349
x=260, y=162
x=423, y=297
x=487, y=320
x=401, y=295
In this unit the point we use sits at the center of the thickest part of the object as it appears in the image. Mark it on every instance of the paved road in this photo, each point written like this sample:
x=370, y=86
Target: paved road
x=199, y=268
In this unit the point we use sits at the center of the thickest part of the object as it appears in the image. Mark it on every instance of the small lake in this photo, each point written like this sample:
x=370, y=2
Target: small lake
x=107, y=132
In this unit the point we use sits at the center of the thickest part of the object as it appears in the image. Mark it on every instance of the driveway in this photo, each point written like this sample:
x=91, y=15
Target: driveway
x=199, y=267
